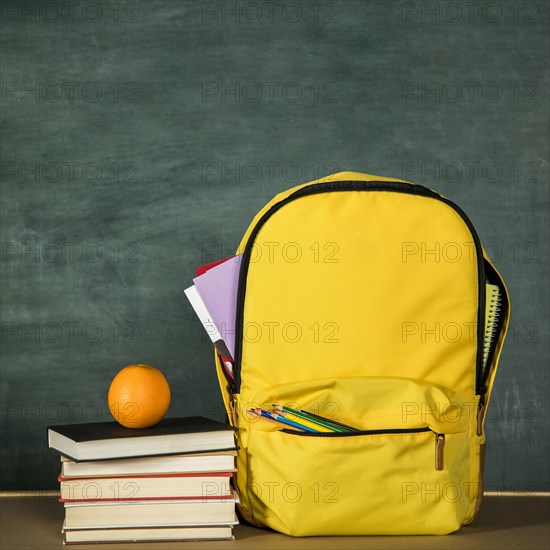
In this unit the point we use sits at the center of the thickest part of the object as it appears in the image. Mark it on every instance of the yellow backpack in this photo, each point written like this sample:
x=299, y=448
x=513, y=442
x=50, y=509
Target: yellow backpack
x=363, y=300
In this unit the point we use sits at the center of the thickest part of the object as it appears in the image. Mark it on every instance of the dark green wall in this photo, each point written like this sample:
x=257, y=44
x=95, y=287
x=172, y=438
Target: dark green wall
x=139, y=138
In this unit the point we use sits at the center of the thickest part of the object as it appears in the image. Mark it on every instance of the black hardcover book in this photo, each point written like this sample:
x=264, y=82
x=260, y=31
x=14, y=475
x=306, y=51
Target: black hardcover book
x=110, y=440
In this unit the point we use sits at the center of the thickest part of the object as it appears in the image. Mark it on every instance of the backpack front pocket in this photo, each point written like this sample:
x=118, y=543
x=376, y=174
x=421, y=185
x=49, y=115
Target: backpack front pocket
x=401, y=473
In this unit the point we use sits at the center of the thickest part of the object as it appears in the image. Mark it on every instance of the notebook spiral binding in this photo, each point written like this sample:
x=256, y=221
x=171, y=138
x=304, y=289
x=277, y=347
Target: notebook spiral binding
x=492, y=324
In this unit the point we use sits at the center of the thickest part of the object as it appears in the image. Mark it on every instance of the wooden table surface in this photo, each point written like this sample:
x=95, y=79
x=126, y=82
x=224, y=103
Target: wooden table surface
x=505, y=522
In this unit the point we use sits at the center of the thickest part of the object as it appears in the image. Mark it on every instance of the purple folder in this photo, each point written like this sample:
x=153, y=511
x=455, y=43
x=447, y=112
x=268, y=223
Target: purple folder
x=218, y=290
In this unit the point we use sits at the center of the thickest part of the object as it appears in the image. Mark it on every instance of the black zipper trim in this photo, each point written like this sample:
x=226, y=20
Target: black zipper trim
x=393, y=186
x=358, y=432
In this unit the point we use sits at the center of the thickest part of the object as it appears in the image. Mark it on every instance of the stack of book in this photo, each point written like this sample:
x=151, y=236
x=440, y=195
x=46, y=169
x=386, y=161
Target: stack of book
x=165, y=483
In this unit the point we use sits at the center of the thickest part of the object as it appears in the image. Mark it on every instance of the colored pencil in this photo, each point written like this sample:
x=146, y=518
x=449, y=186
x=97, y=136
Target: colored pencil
x=283, y=420
x=302, y=418
x=331, y=425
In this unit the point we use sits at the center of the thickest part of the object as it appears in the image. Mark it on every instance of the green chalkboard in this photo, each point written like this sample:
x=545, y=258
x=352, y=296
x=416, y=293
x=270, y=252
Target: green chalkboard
x=139, y=138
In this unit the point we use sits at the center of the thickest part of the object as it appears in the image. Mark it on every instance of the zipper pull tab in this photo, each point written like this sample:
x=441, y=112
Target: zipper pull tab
x=439, y=451
x=480, y=411
x=232, y=410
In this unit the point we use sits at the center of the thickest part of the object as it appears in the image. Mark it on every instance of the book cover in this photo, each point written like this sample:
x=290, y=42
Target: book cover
x=95, y=431
x=110, y=440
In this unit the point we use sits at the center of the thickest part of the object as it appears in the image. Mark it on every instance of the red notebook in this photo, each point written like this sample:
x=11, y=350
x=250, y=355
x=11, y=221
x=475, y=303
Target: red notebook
x=204, y=268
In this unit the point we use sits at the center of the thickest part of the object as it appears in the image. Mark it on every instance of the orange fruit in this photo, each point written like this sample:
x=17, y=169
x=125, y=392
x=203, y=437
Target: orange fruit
x=139, y=396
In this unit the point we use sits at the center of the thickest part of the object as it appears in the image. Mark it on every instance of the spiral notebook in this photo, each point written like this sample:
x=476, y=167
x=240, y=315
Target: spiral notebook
x=493, y=305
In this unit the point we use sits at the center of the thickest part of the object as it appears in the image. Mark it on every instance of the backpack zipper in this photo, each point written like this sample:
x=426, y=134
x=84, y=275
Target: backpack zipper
x=338, y=186
x=356, y=432
x=439, y=451
x=439, y=438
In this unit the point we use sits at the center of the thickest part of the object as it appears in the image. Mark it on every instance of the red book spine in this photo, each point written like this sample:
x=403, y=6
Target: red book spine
x=222, y=498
